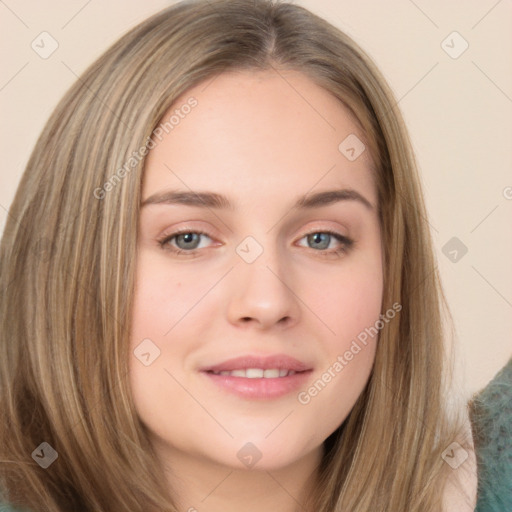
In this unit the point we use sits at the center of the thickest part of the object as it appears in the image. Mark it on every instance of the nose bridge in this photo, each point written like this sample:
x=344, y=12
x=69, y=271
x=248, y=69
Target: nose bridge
x=263, y=292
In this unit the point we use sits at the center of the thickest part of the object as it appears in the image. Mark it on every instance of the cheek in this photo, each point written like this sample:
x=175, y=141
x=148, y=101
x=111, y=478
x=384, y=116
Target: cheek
x=162, y=297
x=346, y=301
x=349, y=305
x=157, y=307
x=159, y=303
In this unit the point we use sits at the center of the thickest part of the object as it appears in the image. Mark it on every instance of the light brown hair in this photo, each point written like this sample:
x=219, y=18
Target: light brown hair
x=67, y=274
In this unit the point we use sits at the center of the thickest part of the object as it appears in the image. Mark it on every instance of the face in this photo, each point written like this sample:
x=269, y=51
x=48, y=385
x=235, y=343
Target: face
x=259, y=268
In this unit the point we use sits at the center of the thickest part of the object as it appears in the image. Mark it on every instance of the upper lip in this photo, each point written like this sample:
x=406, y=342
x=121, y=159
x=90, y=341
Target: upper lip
x=277, y=361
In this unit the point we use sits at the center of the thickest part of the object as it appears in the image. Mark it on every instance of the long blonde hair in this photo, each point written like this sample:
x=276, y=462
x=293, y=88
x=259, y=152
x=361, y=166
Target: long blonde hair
x=67, y=274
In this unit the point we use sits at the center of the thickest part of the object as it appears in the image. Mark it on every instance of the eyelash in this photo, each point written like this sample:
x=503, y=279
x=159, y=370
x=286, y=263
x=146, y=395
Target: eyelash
x=346, y=243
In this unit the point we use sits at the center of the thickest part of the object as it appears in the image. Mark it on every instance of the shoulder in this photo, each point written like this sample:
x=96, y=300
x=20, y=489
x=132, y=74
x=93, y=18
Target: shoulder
x=4, y=507
x=491, y=418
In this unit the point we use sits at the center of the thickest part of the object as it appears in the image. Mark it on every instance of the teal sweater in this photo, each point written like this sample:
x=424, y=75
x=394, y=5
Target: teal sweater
x=491, y=421
x=9, y=508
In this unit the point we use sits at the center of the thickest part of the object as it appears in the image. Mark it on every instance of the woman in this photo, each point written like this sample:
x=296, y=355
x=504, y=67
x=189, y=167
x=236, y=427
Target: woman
x=294, y=357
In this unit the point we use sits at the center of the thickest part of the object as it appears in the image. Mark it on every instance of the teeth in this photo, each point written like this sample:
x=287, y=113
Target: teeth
x=258, y=373
x=254, y=373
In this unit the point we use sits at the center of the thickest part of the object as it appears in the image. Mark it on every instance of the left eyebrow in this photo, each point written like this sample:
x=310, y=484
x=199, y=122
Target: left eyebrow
x=328, y=197
x=219, y=201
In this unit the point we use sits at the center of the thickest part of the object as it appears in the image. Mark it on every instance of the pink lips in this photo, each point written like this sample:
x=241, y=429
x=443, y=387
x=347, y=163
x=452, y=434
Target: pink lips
x=283, y=375
x=279, y=361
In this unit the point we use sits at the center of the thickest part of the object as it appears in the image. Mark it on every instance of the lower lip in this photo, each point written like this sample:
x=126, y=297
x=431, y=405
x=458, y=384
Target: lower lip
x=262, y=389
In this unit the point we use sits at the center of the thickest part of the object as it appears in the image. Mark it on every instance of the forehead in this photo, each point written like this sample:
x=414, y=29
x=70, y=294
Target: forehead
x=258, y=134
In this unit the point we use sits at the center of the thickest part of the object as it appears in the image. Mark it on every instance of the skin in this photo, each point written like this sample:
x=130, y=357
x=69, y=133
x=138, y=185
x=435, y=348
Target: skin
x=255, y=139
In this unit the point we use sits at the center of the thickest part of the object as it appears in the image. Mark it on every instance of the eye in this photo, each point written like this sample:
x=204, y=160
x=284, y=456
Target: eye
x=183, y=241
x=188, y=242
x=322, y=240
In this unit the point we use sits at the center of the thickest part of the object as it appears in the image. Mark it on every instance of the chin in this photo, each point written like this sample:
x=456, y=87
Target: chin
x=258, y=453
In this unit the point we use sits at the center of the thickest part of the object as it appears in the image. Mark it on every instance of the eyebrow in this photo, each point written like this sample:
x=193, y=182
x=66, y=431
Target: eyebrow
x=219, y=201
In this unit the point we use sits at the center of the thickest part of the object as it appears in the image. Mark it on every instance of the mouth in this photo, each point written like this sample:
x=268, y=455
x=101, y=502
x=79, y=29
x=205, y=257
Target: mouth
x=257, y=373
x=261, y=378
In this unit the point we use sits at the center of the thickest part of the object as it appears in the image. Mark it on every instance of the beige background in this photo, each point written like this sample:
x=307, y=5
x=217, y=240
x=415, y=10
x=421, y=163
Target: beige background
x=459, y=113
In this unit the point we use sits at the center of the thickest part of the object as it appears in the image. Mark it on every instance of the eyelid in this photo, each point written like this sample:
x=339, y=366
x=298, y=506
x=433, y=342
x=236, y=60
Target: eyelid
x=188, y=228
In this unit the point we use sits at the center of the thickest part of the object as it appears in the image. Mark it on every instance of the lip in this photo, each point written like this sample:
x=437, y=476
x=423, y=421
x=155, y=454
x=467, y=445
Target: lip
x=259, y=388
x=279, y=361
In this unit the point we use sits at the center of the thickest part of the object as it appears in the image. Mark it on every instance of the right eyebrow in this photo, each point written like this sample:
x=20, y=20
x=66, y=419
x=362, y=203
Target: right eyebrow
x=201, y=199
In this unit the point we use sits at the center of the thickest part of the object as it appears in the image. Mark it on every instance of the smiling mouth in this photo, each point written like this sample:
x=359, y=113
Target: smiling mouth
x=258, y=383
x=256, y=373
x=259, y=377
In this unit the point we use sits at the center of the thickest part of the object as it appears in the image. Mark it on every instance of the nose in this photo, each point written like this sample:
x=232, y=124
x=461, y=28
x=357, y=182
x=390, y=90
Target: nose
x=263, y=294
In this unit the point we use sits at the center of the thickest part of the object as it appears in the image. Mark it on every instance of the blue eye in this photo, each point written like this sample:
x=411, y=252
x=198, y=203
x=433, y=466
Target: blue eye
x=184, y=241
x=321, y=240
x=189, y=240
